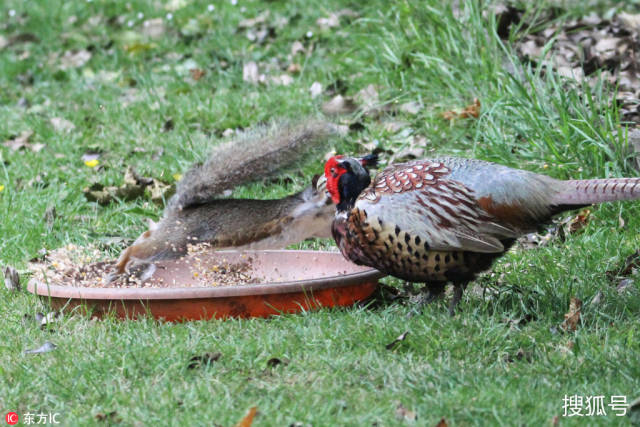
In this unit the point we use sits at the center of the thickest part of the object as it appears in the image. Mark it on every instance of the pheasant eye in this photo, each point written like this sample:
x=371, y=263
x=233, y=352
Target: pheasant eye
x=333, y=172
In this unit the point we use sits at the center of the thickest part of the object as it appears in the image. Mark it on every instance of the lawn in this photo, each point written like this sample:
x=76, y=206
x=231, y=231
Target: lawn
x=92, y=81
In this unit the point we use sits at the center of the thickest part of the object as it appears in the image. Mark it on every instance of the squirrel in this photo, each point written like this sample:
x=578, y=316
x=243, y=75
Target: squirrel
x=197, y=213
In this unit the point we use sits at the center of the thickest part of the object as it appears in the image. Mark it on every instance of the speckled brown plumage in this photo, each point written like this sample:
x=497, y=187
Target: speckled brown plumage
x=445, y=220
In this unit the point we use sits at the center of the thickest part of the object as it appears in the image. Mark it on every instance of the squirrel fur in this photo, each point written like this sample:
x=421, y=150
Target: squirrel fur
x=198, y=213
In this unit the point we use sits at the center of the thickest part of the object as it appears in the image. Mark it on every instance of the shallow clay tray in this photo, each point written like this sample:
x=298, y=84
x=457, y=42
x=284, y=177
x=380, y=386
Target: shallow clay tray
x=293, y=281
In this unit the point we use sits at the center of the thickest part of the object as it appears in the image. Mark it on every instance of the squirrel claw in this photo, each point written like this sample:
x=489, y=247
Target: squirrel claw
x=111, y=277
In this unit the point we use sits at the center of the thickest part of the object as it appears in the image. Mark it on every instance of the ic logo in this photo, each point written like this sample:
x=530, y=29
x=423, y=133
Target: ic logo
x=11, y=418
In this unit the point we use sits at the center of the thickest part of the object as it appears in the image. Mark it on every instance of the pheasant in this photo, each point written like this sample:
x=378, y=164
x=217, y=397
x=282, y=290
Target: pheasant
x=446, y=220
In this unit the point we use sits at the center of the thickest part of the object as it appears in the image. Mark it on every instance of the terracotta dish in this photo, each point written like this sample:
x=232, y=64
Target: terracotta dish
x=290, y=281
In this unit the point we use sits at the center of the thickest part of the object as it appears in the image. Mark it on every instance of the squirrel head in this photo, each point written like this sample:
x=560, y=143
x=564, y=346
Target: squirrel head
x=347, y=177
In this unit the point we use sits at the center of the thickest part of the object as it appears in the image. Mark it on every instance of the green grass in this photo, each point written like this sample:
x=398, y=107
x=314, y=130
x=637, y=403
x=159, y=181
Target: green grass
x=465, y=369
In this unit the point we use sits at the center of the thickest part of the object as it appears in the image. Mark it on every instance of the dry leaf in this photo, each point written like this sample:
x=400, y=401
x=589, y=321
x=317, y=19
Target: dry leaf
x=442, y=423
x=472, y=110
x=331, y=21
x=632, y=21
x=572, y=318
x=62, y=125
x=593, y=48
x=282, y=80
x=631, y=263
x=44, y=348
x=20, y=141
x=74, y=59
x=339, y=105
x=395, y=342
x=394, y=126
x=197, y=73
x=403, y=413
x=153, y=28
x=133, y=187
x=247, y=420
x=296, y=48
x=412, y=108
x=159, y=192
x=315, y=89
x=368, y=97
x=293, y=68
x=623, y=285
x=250, y=72
x=112, y=417
x=203, y=360
x=11, y=279
x=274, y=361
x=579, y=221
x=252, y=22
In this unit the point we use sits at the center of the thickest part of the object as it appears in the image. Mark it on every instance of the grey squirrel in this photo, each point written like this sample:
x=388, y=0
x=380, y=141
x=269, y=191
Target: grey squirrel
x=197, y=213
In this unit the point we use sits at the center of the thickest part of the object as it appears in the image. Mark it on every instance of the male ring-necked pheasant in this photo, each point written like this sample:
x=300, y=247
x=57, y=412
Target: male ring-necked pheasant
x=445, y=220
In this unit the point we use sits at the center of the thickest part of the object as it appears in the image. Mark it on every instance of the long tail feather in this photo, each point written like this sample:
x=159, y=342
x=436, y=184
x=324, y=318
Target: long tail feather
x=590, y=191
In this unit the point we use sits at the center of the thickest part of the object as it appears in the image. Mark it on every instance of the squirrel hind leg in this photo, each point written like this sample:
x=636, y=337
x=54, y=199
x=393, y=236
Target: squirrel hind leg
x=138, y=250
x=124, y=260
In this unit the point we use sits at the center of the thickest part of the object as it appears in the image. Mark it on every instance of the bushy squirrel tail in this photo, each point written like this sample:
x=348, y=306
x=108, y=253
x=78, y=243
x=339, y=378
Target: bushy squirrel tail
x=255, y=154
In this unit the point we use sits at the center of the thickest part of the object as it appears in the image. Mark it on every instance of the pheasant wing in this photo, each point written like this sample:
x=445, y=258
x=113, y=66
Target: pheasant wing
x=418, y=200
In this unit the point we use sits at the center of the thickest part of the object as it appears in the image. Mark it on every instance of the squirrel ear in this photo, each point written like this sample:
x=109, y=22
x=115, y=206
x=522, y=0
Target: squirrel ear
x=369, y=161
x=314, y=181
x=152, y=225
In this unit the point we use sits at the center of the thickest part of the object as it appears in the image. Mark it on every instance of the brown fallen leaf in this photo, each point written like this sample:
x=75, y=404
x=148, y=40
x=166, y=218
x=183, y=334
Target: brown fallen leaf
x=62, y=125
x=471, y=110
x=339, y=105
x=281, y=80
x=153, y=28
x=247, y=420
x=315, y=89
x=134, y=186
x=368, y=97
x=400, y=338
x=251, y=73
x=204, y=359
x=274, y=361
x=631, y=263
x=403, y=413
x=74, y=59
x=578, y=222
x=20, y=141
x=159, y=192
x=572, y=317
x=623, y=285
x=252, y=22
x=294, y=68
x=333, y=20
x=111, y=417
x=296, y=48
x=442, y=423
x=197, y=73
x=411, y=107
